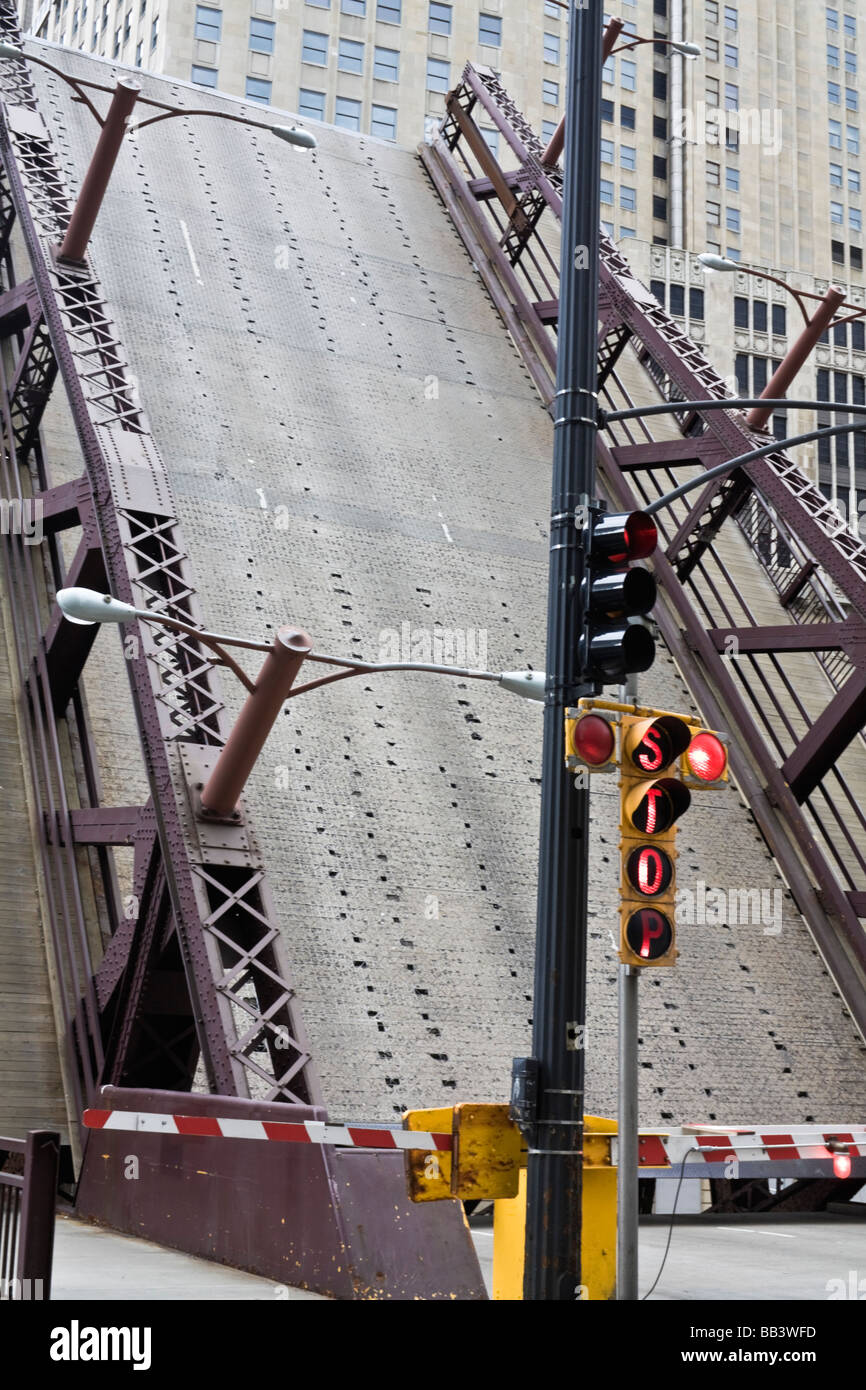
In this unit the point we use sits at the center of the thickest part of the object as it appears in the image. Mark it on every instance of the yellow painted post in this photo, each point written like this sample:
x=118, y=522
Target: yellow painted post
x=598, y=1253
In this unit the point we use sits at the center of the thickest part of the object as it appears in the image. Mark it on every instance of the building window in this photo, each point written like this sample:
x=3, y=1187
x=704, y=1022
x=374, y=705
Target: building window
x=660, y=86
x=732, y=56
x=350, y=56
x=551, y=48
x=204, y=77
x=606, y=110
x=551, y=11
x=606, y=151
x=154, y=33
x=852, y=141
x=627, y=231
x=440, y=18
x=856, y=257
x=127, y=26
x=741, y=311
x=840, y=335
x=606, y=191
x=711, y=50
x=837, y=252
x=759, y=374
x=834, y=93
x=780, y=315
x=660, y=128
x=262, y=35
x=835, y=135
x=490, y=30
x=858, y=335
x=550, y=93
x=660, y=167
x=548, y=130
x=627, y=198
x=759, y=316
x=628, y=74
x=138, y=48
x=358, y=7
x=732, y=179
x=626, y=117
x=314, y=48
x=732, y=96
x=657, y=287
x=713, y=173
x=835, y=175
x=386, y=66
x=714, y=214
x=660, y=208
x=711, y=12
x=320, y=4
x=850, y=26
x=854, y=180
x=116, y=42
x=741, y=372
x=832, y=18
x=628, y=156
x=208, y=23
x=855, y=220
x=383, y=122
x=832, y=55
x=696, y=305
x=851, y=99
x=677, y=301
x=608, y=71
x=490, y=138
x=389, y=13
x=311, y=104
x=837, y=213
x=730, y=17
x=438, y=75
x=851, y=63
x=257, y=90
x=347, y=113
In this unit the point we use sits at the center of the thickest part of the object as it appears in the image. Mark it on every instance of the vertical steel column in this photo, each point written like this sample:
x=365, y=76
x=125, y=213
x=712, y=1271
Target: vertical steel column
x=627, y=1140
x=554, y=1191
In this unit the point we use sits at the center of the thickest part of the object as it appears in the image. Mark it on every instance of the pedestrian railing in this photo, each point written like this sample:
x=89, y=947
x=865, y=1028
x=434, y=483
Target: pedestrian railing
x=27, y=1202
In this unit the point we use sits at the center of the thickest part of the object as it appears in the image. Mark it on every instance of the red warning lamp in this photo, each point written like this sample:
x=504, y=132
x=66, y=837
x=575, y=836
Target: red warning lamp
x=707, y=757
x=649, y=870
x=593, y=740
x=648, y=934
x=841, y=1159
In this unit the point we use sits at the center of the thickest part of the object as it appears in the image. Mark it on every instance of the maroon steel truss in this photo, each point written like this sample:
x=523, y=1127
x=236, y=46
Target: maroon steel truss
x=197, y=971
x=785, y=757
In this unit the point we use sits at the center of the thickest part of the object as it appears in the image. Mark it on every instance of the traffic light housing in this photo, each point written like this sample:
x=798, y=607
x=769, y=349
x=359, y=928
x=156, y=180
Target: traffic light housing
x=651, y=803
x=614, y=592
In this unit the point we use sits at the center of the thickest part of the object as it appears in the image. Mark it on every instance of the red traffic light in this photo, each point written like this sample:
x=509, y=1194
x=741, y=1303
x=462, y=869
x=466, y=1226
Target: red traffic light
x=707, y=757
x=649, y=934
x=651, y=745
x=621, y=537
x=652, y=808
x=593, y=740
x=649, y=870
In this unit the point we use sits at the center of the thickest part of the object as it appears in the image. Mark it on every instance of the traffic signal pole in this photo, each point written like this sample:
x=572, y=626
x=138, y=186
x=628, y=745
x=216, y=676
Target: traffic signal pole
x=555, y=1120
x=627, y=1114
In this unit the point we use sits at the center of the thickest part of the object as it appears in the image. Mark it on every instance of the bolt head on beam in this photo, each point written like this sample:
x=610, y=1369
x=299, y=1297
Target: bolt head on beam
x=293, y=135
x=86, y=606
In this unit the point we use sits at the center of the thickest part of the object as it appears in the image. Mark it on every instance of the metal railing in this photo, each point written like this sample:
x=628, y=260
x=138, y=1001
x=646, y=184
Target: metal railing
x=27, y=1202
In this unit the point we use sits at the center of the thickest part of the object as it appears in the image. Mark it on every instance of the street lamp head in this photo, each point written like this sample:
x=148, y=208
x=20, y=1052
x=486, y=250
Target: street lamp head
x=712, y=262
x=688, y=50
x=86, y=606
x=529, y=684
x=293, y=135
x=8, y=50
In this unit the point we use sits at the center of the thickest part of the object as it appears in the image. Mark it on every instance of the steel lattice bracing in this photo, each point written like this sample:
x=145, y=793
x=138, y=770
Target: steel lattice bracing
x=196, y=968
x=794, y=696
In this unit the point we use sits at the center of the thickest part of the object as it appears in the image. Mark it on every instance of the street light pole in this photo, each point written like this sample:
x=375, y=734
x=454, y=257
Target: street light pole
x=797, y=355
x=111, y=137
x=554, y=1180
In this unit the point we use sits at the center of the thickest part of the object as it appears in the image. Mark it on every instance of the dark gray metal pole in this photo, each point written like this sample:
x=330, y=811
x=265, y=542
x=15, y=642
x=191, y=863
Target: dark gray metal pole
x=627, y=1181
x=553, y=1216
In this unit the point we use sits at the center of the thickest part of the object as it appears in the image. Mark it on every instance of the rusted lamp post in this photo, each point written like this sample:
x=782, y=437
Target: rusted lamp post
x=611, y=34
x=115, y=126
x=290, y=648
x=823, y=318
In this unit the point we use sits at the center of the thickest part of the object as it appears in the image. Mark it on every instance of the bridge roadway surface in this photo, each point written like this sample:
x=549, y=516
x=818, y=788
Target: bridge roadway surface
x=355, y=447
x=731, y=1261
